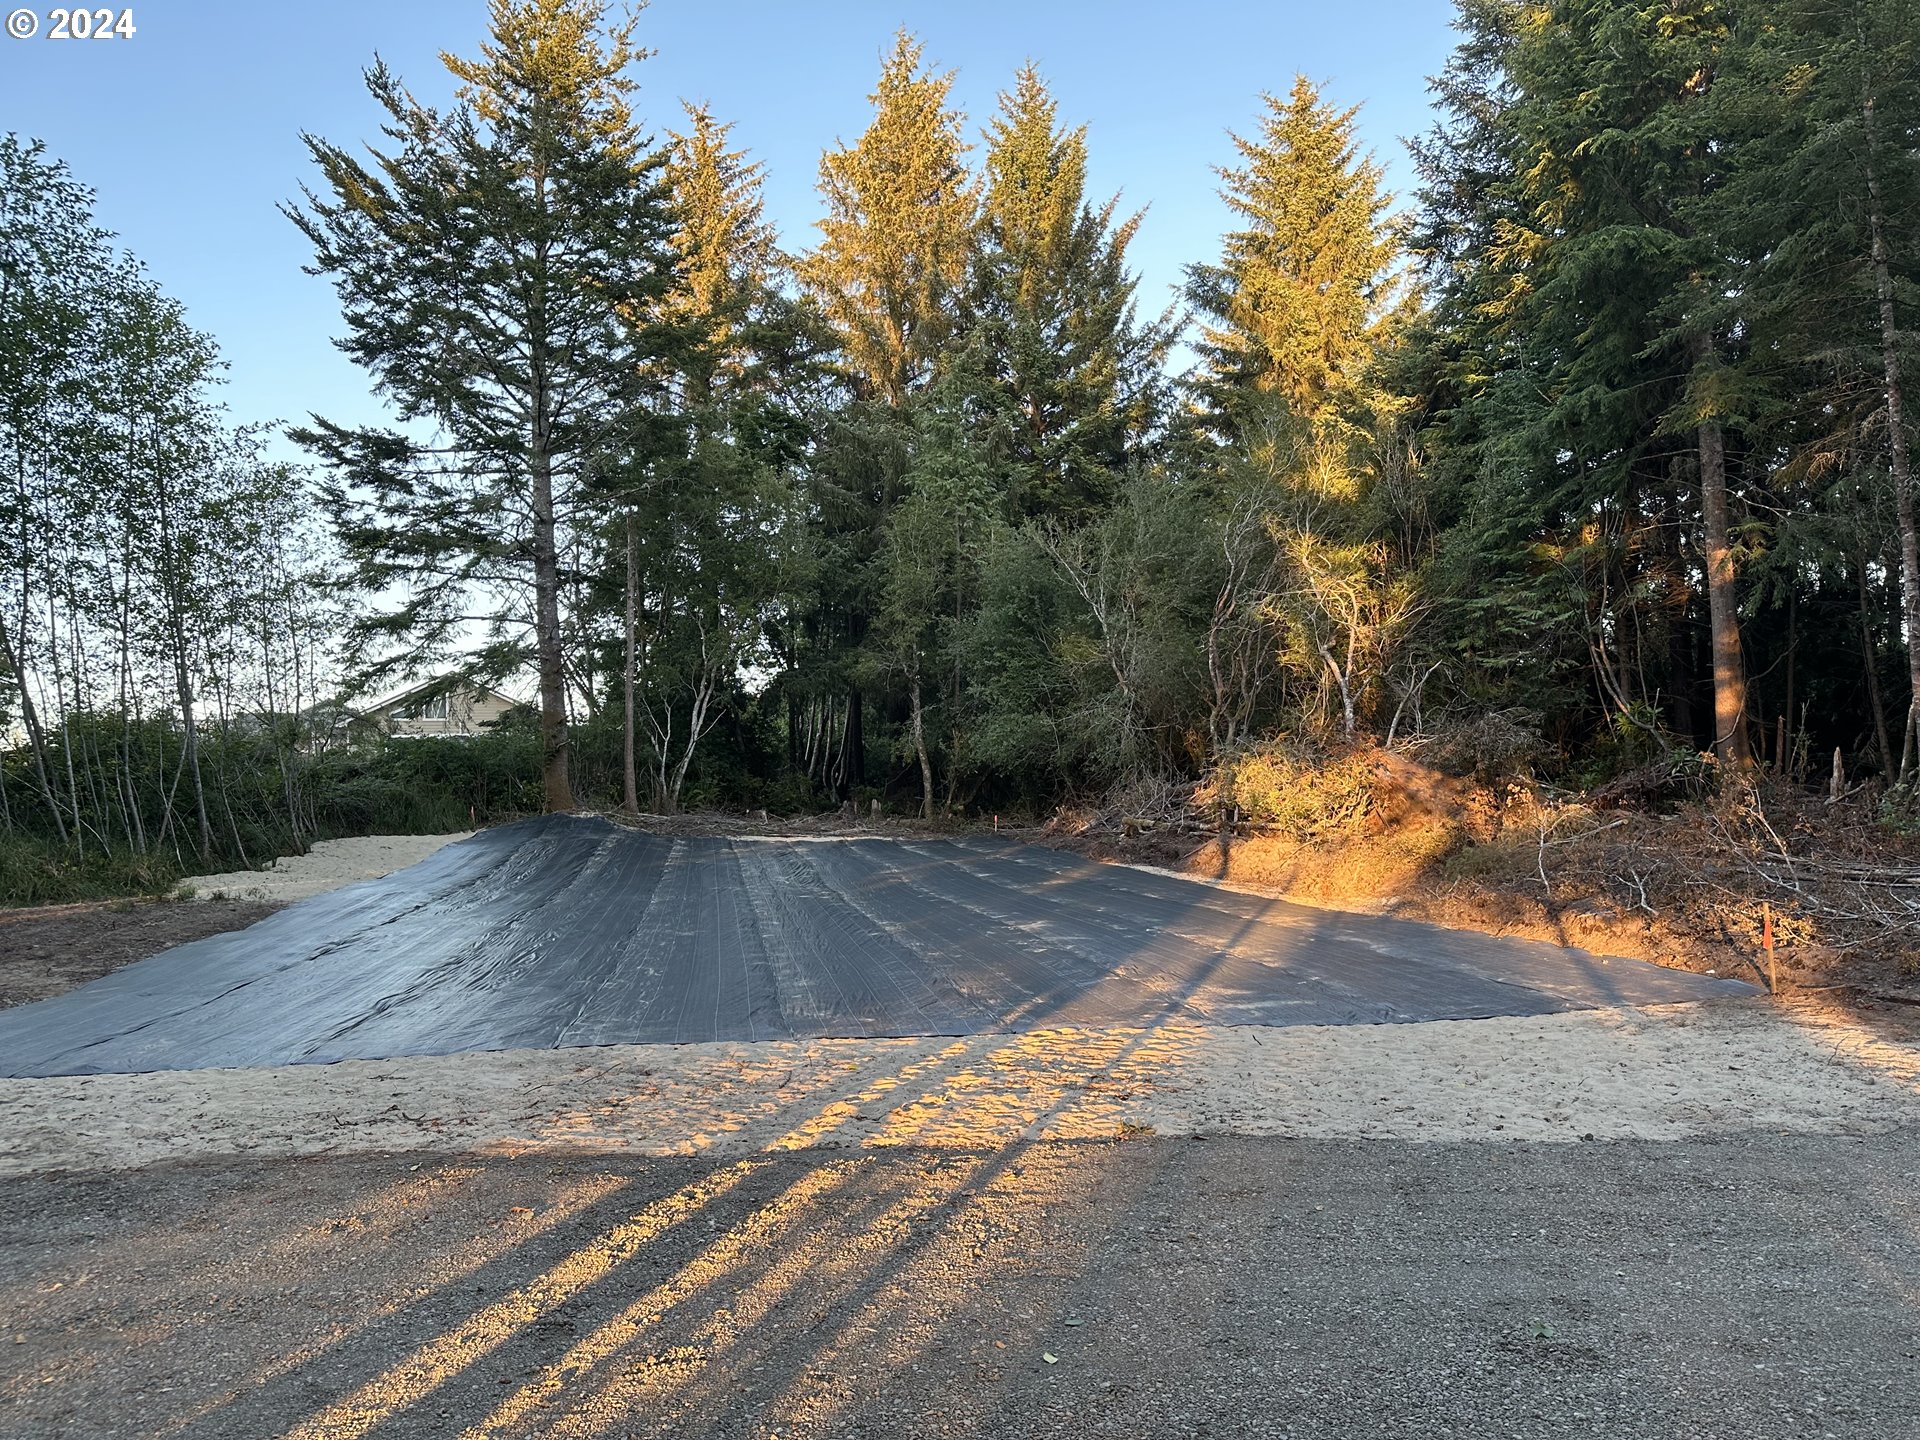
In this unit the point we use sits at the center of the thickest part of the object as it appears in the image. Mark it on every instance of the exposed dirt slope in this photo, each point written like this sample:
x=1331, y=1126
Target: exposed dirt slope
x=1379, y=831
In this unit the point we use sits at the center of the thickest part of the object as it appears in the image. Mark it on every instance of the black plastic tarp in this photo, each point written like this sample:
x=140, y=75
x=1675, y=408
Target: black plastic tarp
x=569, y=931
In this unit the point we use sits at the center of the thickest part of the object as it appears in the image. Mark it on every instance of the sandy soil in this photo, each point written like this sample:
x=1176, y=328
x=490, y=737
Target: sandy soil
x=1668, y=1073
x=327, y=866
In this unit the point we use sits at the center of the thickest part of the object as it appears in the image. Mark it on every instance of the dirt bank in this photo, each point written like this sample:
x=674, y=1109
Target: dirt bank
x=1692, y=884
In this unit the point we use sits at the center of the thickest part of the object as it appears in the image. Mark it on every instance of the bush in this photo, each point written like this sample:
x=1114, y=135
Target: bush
x=426, y=785
x=40, y=872
x=1290, y=788
x=1492, y=747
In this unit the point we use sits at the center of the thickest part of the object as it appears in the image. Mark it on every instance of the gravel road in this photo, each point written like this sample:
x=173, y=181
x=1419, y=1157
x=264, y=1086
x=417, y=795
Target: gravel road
x=1746, y=1288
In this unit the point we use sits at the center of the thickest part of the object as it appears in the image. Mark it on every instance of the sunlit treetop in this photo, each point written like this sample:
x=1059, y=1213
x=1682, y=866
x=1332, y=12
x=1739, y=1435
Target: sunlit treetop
x=897, y=235
x=1296, y=304
x=553, y=62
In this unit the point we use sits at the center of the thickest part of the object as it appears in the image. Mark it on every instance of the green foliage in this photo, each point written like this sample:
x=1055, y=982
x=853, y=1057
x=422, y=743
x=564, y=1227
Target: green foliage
x=427, y=785
x=1309, y=286
x=498, y=272
x=1065, y=382
x=921, y=515
x=34, y=871
x=377, y=786
x=1636, y=221
x=894, y=242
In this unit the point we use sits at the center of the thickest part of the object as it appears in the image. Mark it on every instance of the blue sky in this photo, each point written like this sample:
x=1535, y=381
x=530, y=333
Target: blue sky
x=189, y=131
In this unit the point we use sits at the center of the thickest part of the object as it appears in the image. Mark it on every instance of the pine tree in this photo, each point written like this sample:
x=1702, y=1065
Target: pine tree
x=704, y=505
x=1071, y=376
x=1616, y=142
x=494, y=268
x=729, y=258
x=1594, y=393
x=896, y=237
x=1817, y=114
x=886, y=277
x=1306, y=295
x=1309, y=284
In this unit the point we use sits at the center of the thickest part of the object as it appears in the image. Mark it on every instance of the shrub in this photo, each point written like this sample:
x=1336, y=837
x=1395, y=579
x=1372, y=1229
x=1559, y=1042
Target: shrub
x=40, y=872
x=1288, y=787
x=1495, y=746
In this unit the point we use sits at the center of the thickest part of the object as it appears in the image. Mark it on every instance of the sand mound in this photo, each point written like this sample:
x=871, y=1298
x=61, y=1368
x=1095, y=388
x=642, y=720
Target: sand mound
x=327, y=866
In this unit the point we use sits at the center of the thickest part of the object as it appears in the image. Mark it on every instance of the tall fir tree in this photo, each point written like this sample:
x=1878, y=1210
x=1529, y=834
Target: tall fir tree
x=895, y=240
x=492, y=267
x=1308, y=291
x=1590, y=403
x=886, y=275
x=697, y=542
x=1072, y=377
x=729, y=259
x=1614, y=142
x=1311, y=280
x=1817, y=112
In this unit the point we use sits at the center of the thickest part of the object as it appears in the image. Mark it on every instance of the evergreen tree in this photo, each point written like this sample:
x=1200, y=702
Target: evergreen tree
x=886, y=277
x=1311, y=282
x=1817, y=112
x=494, y=267
x=705, y=505
x=896, y=237
x=729, y=261
x=1295, y=315
x=1591, y=391
x=1071, y=379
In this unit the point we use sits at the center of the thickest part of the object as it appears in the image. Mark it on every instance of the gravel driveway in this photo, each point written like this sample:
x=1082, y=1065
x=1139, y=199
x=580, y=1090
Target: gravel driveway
x=1745, y=1288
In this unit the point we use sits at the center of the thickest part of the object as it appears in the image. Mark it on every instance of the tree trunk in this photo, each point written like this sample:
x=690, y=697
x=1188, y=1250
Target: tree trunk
x=699, y=721
x=190, y=756
x=1896, y=419
x=554, y=741
x=1872, y=680
x=64, y=710
x=855, y=758
x=920, y=751
x=1730, y=745
x=1341, y=682
x=1787, y=742
x=546, y=597
x=36, y=738
x=630, y=776
x=174, y=578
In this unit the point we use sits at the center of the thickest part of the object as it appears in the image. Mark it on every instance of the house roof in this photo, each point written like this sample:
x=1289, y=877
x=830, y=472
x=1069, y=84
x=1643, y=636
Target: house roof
x=392, y=698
